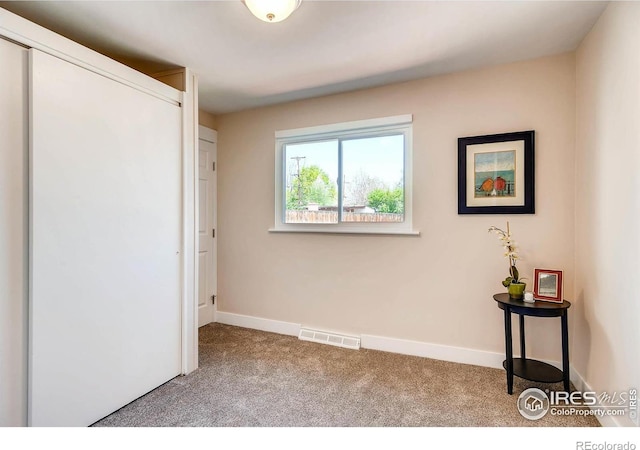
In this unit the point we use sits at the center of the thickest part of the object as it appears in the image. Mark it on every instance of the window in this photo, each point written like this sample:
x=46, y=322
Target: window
x=351, y=177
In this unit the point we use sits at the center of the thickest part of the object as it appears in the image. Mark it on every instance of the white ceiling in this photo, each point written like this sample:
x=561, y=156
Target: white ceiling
x=324, y=47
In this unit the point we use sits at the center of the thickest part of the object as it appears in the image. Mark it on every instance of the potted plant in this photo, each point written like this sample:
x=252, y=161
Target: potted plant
x=514, y=284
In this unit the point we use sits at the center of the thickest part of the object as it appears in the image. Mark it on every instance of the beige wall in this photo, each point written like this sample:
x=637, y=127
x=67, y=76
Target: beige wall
x=608, y=201
x=437, y=287
x=207, y=120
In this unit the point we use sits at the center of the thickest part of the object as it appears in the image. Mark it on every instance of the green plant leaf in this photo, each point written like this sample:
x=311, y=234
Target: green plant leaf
x=507, y=281
x=515, y=274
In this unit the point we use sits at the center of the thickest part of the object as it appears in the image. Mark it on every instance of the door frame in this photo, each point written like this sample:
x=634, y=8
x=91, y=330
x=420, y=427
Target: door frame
x=31, y=35
x=14, y=251
x=190, y=213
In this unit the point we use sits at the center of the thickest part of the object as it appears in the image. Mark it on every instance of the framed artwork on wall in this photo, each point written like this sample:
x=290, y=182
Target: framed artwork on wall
x=547, y=285
x=496, y=174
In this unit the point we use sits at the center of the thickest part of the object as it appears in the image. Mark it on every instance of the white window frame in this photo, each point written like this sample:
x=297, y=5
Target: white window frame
x=357, y=129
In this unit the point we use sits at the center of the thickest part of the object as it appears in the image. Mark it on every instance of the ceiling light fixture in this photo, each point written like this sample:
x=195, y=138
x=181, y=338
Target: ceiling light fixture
x=272, y=10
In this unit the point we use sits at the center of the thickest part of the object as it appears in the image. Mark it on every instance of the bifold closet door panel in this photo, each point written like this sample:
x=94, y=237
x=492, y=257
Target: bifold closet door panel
x=105, y=236
x=14, y=85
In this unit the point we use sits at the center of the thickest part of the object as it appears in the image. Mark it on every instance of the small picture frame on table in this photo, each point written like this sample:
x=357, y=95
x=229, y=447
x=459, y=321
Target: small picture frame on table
x=547, y=285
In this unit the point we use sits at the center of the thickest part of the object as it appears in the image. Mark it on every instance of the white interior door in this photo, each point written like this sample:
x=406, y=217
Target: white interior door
x=14, y=148
x=105, y=214
x=206, y=224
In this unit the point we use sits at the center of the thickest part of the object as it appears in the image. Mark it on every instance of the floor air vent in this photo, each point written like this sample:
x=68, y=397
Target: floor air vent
x=324, y=337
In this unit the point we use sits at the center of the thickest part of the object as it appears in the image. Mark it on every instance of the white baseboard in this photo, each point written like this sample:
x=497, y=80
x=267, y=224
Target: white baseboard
x=434, y=351
x=386, y=344
x=412, y=348
x=258, y=323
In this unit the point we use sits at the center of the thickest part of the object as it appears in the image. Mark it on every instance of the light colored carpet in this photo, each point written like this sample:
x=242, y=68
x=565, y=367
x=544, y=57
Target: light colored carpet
x=251, y=378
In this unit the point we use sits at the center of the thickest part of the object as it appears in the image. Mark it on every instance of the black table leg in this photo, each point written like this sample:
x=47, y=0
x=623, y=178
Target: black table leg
x=509, y=349
x=523, y=350
x=565, y=352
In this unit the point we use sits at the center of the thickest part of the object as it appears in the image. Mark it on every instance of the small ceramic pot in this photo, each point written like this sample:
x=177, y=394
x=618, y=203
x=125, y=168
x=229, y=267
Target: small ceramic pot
x=516, y=290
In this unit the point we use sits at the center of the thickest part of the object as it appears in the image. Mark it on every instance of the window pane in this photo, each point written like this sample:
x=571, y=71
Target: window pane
x=373, y=172
x=311, y=175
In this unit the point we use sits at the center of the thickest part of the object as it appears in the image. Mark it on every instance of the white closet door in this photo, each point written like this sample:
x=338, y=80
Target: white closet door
x=105, y=235
x=206, y=234
x=14, y=84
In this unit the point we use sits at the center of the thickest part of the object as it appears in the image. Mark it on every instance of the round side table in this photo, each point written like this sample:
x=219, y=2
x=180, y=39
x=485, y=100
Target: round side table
x=531, y=369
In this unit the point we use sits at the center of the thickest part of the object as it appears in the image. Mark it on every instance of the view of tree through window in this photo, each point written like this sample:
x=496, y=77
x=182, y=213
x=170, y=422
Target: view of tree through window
x=372, y=188
x=373, y=174
x=311, y=182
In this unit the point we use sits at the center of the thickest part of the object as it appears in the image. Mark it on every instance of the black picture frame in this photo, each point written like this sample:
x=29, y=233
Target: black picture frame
x=496, y=174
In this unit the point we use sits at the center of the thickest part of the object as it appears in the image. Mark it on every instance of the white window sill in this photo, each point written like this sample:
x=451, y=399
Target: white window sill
x=343, y=231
